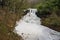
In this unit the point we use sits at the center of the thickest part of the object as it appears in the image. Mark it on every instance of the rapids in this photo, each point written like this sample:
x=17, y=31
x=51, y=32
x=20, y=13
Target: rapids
x=30, y=28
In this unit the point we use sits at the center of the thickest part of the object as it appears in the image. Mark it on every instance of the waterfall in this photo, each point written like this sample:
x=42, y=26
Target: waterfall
x=30, y=28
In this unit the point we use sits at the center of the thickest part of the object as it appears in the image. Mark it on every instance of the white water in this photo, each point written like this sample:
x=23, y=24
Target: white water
x=30, y=29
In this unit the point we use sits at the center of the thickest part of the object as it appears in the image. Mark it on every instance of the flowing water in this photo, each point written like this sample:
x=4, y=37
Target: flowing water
x=30, y=28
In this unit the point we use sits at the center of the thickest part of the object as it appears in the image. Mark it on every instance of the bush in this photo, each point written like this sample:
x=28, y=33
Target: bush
x=48, y=7
x=49, y=12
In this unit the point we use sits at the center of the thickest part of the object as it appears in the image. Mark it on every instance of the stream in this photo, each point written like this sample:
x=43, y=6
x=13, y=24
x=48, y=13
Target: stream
x=30, y=28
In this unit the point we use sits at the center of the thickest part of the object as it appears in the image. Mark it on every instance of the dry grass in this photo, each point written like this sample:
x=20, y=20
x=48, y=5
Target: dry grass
x=7, y=24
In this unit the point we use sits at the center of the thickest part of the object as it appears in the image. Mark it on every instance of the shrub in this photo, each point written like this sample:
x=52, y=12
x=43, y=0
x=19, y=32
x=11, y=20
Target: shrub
x=49, y=12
